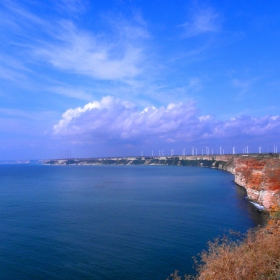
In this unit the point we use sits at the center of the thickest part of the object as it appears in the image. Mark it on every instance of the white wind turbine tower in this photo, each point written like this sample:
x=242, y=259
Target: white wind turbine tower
x=260, y=149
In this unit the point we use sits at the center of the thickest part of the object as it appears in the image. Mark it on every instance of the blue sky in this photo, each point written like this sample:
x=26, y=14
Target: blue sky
x=118, y=78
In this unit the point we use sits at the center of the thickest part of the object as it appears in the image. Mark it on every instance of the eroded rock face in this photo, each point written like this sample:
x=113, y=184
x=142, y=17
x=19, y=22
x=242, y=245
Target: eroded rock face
x=259, y=176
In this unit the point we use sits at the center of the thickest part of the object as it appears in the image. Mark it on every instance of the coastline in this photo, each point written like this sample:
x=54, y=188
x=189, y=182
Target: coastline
x=259, y=174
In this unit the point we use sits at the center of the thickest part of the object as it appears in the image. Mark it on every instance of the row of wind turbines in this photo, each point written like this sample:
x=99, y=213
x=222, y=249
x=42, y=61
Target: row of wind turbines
x=208, y=151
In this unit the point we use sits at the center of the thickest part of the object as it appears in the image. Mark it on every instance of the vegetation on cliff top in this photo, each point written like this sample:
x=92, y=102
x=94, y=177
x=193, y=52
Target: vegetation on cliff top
x=141, y=160
x=254, y=257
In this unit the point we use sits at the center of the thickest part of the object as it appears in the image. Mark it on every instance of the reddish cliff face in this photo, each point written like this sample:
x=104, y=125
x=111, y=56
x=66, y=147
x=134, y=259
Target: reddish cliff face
x=259, y=176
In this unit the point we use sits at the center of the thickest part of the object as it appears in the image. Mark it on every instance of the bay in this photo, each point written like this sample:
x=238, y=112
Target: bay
x=113, y=222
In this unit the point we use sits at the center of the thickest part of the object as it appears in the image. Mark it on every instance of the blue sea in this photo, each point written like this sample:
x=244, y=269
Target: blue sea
x=113, y=222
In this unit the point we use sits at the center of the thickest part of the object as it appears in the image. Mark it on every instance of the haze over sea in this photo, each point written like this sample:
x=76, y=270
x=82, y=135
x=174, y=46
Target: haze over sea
x=113, y=222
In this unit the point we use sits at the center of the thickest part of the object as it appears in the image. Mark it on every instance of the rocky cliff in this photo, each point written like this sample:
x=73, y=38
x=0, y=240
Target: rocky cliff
x=260, y=176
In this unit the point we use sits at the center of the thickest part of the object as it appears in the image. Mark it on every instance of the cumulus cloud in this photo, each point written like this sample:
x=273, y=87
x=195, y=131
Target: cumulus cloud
x=114, y=118
x=247, y=125
x=111, y=118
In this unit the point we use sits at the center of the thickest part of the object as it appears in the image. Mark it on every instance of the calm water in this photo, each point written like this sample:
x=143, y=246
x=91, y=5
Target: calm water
x=113, y=222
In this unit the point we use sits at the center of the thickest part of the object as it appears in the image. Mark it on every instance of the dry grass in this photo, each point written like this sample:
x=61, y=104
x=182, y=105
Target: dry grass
x=256, y=257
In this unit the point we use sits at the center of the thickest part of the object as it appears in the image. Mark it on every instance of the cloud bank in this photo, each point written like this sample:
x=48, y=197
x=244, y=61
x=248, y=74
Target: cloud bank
x=115, y=119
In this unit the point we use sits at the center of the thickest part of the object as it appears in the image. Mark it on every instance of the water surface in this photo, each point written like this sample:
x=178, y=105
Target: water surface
x=113, y=222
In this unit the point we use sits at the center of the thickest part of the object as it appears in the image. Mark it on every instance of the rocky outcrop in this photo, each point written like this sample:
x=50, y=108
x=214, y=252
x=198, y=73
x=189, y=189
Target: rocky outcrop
x=260, y=176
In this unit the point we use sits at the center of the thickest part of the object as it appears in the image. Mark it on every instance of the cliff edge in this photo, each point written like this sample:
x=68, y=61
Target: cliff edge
x=260, y=176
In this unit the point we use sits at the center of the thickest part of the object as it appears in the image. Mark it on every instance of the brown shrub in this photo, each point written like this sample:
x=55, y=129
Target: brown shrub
x=256, y=257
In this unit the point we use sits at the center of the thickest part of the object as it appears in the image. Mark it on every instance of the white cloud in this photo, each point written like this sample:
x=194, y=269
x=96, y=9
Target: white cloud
x=71, y=92
x=12, y=69
x=114, y=53
x=244, y=86
x=203, y=21
x=244, y=126
x=114, y=119
x=82, y=52
x=15, y=11
x=71, y=6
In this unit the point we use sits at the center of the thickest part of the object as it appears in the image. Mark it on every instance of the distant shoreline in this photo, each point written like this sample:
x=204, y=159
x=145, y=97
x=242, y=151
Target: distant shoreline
x=259, y=174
